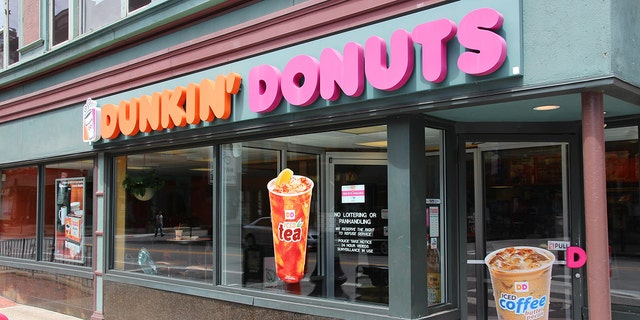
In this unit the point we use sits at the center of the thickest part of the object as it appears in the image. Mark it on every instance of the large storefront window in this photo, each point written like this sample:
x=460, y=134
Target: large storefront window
x=623, y=208
x=248, y=256
x=347, y=244
x=18, y=205
x=68, y=213
x=164, y=213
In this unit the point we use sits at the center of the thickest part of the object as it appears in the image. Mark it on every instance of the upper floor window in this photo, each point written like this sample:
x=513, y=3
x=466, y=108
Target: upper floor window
x=98, y=13
x=69, y=20
x=8, y=33
x=60, y=21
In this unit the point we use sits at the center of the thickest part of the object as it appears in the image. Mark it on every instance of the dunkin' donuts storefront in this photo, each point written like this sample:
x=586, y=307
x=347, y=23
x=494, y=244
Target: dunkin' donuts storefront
x=399, y=155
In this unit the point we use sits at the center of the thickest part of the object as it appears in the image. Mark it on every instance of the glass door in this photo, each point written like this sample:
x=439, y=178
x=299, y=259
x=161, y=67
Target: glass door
x=357, y=197
x=517, y=195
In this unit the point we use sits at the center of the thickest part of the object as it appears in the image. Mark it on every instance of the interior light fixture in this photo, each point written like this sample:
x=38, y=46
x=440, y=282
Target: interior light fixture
x=139, y=168
x=546, y=108
x=365, y=130
x=375, y=144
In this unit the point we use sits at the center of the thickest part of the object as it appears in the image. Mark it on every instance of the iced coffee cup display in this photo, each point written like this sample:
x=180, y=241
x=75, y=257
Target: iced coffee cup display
x=521, y=279
x=290, y=198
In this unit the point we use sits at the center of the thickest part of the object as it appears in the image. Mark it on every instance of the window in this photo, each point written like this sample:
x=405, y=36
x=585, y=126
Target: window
x=60, y=28
x=9, y=33
x=164, y=213
x=30, y=22
x=68, y=20
x=245, y=172
x=336, y=235
x=18, y=199
x=347, y=243
x=623, y=209
x=68, y=213
x=99, y=13
x=435, y=215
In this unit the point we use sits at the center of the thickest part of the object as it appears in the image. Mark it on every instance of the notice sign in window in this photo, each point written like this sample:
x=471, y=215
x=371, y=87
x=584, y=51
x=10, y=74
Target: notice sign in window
x=353, y=193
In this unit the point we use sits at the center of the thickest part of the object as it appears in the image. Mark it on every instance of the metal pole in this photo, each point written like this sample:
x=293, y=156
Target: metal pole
x=595, y=205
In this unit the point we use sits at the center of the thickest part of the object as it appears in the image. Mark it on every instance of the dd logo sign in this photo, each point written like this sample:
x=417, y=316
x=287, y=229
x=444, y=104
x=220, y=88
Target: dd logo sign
x=522, y=286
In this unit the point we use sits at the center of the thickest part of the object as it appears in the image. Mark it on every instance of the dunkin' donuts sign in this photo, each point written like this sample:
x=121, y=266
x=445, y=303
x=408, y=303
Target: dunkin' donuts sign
x=383, y=64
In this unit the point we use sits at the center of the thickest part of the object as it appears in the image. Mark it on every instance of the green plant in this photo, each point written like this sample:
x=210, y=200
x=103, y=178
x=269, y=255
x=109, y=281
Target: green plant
x=137, y=183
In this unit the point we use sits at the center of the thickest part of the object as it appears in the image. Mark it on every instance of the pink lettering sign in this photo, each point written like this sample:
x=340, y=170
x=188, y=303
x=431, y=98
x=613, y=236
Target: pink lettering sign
x=433, y=37
x=305, y=79
x=300, y=80
x=264, y=88
x=395, y=74
x=342, y=72
x=487, y=49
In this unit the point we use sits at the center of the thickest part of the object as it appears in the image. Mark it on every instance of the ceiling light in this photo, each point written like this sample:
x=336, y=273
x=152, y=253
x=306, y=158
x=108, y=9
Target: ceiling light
x=546, y=108
x=365, y=130
x=139, y=168
x=375, y=144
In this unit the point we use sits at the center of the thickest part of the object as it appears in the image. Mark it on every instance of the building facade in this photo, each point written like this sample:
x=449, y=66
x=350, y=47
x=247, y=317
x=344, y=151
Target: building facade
x=139, y=138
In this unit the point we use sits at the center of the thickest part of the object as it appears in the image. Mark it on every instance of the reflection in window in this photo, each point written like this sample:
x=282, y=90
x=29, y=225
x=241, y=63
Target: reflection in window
x=435, y=215
x=524, y=192
x=99, y=13
x=60, y=21
x=337, y=270
x=18, y=200
x=30, y=21
x=164, y=213
x=9, y=46
x=137, y=4
x=347, y=244
x=361, y=220
x=12, y=47
x=248, y=253
x=623, y=208
x=68, y=213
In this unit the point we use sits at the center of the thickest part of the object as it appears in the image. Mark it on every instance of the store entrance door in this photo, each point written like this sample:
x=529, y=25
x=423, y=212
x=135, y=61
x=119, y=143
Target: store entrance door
x=357, y=197
x=517, y=195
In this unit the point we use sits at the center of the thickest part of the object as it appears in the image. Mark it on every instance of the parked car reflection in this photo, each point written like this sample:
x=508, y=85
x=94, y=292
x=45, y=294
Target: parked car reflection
x=259, y=233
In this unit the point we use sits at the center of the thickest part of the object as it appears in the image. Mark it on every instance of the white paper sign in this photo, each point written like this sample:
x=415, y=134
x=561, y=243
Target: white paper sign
x=353, y=193
x=434, y=225
x=558, y=245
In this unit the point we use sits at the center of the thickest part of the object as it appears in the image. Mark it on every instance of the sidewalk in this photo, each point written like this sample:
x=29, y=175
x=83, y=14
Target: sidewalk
x=14, y=311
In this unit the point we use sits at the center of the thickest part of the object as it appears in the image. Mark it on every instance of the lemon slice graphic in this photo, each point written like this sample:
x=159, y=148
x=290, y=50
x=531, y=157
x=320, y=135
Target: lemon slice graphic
x=284, y=177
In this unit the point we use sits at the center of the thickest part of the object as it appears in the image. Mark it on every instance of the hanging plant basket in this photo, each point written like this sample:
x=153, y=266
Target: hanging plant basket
x=142, y=185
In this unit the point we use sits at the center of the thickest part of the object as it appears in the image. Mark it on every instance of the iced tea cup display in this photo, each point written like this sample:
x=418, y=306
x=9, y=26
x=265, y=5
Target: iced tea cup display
x=521, y=279
x=290, y=198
